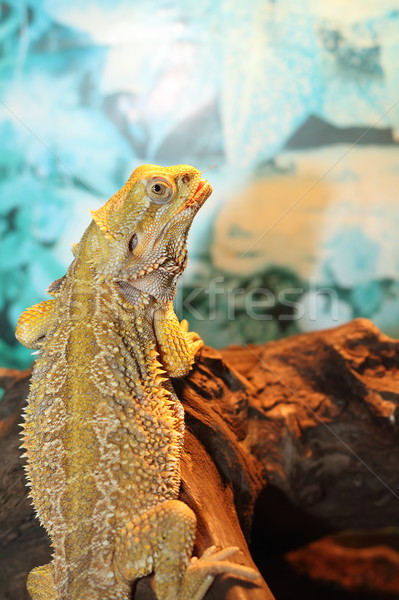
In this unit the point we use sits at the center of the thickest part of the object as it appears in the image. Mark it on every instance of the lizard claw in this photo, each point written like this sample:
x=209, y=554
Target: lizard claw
x=202, y=570
x=195, y=346
x=212, y=553
x=184, y=325
x=193, y=338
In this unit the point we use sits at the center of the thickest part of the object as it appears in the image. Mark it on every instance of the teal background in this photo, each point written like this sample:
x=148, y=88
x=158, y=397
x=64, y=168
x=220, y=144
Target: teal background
x=297, y=104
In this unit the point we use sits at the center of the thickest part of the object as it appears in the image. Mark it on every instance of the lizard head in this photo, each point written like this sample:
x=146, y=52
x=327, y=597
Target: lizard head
x=140, y=234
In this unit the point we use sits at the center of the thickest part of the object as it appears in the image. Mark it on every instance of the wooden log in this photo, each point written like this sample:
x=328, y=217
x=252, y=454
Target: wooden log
x=324, y=421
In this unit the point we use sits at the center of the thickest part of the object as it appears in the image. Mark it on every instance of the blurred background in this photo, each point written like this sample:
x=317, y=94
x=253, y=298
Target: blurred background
x=295, y=105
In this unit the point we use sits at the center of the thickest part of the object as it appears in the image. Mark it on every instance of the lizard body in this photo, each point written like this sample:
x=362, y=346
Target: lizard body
x=103, y=428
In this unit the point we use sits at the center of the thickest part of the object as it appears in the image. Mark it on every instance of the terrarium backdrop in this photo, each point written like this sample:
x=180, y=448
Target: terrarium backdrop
x=297, y=105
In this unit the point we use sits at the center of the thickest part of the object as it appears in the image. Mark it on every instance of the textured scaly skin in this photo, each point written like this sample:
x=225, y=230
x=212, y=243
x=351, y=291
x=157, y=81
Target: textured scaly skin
x=103, y=429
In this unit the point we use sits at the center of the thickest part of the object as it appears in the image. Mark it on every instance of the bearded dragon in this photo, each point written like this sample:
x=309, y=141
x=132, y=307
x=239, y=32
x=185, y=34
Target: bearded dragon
x=103, y=428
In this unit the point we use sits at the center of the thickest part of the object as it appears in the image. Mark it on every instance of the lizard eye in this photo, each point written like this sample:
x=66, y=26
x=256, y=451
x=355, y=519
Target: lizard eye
x=159, y=190
x=133, y=242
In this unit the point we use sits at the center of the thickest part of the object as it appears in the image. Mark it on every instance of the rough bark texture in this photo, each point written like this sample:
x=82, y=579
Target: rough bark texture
x=293, y=440
x=324, y=421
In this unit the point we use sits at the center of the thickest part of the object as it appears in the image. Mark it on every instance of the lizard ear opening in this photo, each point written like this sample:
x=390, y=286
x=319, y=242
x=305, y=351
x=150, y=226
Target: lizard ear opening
x=133, y=242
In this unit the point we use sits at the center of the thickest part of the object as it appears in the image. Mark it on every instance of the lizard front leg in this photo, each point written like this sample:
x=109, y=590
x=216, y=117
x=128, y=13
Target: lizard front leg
x=162, y=542
x=177, y=346
x=34, y=323
x=31, y=328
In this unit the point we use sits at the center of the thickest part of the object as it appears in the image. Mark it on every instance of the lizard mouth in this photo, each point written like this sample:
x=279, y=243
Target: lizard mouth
x=201, y=184
x=198, y=198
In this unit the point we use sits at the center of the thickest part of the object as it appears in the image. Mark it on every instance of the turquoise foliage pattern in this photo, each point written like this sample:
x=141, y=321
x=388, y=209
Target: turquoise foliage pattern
x=296, y=104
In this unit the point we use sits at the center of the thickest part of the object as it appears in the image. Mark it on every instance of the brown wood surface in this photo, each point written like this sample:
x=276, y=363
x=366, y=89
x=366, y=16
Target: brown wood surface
x=313, y=417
